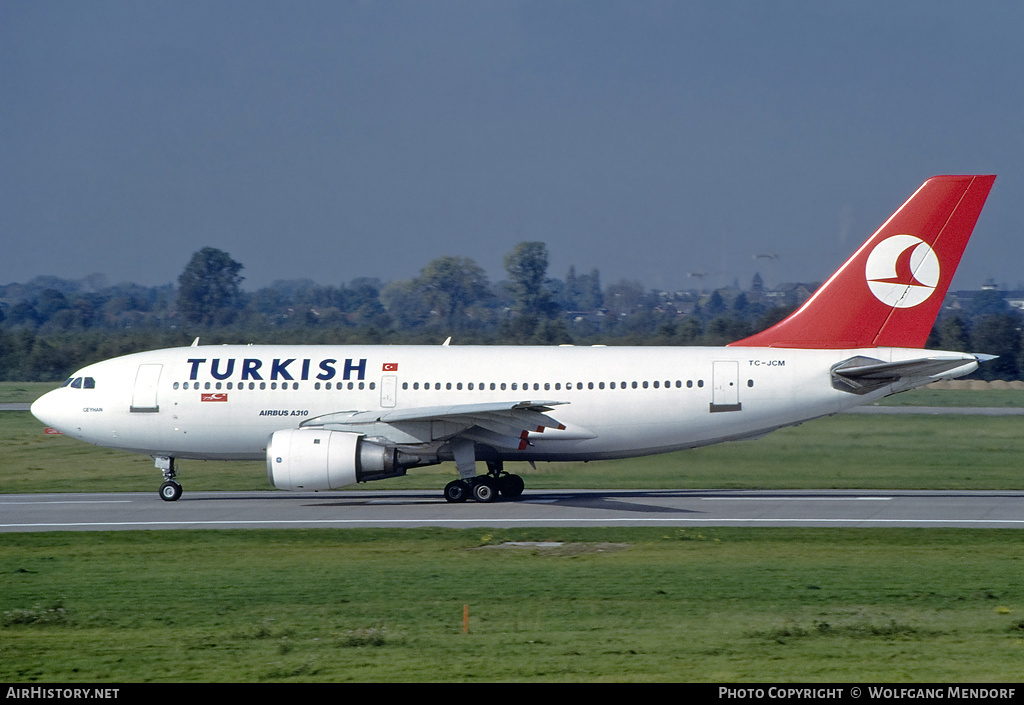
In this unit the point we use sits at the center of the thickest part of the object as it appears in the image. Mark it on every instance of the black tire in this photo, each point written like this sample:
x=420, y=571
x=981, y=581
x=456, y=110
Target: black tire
x=456, y=491
x=170, y=491
x=484, y=490
x=511, y=486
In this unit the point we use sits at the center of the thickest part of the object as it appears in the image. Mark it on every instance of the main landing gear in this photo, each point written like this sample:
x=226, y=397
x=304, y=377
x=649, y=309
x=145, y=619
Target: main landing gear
x=170, y=491
x=485, y=488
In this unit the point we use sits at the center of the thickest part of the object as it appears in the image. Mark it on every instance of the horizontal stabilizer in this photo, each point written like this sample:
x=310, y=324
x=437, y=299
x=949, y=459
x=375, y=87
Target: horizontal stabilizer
x=860, y=375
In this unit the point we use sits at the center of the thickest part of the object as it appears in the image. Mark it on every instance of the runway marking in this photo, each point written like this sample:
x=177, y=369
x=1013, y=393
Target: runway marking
x=485, y=522
x=70, y=501
x=796, y=499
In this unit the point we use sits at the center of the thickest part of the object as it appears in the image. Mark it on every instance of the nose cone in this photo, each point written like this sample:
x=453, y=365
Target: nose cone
x=47, y=409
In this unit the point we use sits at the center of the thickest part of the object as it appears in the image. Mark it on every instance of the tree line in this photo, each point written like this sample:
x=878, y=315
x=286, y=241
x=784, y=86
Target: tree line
x=49, y=326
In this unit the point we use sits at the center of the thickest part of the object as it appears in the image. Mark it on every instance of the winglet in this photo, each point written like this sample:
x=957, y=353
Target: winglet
x=889, y=292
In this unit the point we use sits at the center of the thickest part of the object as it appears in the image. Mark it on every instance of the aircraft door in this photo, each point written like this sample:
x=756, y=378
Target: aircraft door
x=388, y=390
x=725, y=386
x=144, y=395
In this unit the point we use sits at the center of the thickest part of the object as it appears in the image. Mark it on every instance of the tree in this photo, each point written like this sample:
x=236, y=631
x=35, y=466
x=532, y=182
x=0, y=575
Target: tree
x=527, y=267
x=581, y=292
x=209, y=288
x=998, y=335
x=951, y=333
x=452, y=285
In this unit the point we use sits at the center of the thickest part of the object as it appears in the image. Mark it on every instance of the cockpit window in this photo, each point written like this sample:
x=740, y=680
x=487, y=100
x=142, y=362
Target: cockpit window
x=77, y=384
x=80, y=383
x=68, y=382
x=89, y=383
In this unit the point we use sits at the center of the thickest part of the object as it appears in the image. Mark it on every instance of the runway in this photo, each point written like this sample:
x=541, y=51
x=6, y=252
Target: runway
x=539, y=508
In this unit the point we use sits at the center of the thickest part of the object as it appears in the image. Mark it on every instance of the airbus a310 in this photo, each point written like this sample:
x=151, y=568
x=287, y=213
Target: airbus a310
x=325, y=417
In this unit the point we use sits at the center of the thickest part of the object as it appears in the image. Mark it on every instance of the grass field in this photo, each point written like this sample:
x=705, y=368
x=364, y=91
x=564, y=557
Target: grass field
x=720, y=605
x=715, y=605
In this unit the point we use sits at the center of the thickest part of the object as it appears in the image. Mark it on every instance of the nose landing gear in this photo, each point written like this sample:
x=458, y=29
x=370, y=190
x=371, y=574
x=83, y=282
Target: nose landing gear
x=170, y=490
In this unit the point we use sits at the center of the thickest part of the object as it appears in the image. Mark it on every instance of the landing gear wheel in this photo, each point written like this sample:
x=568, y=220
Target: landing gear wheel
x=484, y=490
x=456, y=491
x=511, y=486
x=170, y=491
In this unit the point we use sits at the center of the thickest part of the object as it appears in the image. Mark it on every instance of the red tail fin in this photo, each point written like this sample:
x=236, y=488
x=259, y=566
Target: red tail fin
x=889, y=293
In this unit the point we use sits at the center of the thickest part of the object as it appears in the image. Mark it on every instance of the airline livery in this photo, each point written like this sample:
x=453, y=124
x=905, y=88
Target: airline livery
x=325, y=416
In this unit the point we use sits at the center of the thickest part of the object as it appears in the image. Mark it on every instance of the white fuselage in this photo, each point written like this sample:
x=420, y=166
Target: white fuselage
x=224, y=402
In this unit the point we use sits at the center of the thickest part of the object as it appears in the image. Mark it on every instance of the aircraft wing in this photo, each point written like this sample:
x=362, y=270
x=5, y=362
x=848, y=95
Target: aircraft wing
x=860, y=375
x=503, y=424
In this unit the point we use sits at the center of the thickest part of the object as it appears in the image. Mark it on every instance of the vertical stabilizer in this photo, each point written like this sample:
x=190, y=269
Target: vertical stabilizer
x=889, y=292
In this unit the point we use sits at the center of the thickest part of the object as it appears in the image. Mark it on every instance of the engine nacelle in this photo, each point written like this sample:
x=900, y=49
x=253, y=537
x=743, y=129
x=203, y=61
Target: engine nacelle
x=316, y=459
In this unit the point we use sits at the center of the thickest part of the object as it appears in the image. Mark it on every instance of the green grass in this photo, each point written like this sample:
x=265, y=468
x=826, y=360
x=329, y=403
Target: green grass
x=608, y=605
x=957, y=397
x=24, y=392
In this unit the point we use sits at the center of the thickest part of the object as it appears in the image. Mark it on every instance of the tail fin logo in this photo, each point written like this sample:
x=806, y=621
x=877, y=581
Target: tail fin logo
x=902, y=271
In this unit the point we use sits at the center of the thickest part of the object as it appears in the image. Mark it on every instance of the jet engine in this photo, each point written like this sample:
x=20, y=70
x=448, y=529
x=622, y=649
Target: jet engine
x=317, y=459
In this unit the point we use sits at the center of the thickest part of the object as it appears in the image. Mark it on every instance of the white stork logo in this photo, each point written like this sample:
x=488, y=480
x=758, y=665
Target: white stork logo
x=902, y=271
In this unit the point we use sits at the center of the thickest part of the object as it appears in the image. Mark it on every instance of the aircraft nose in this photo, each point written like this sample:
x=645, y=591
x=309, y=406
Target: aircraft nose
x=47, y=409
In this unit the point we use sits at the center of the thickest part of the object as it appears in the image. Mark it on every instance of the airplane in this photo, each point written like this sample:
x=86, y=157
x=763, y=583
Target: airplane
x=326, y=417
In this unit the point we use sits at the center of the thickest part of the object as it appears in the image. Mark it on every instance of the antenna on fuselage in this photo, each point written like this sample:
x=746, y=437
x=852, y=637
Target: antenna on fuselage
x=444, y=344
x=195, y=343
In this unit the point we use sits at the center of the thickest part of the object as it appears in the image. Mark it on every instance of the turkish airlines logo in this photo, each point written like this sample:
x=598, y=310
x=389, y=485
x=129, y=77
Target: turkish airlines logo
x=902, y=271
x=219, y=396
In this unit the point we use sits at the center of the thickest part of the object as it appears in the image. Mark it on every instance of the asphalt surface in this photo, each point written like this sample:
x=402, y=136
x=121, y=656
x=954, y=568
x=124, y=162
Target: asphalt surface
x=405, y=509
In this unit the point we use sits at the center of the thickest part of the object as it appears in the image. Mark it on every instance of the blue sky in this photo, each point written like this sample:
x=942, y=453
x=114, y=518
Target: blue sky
x=334, y=140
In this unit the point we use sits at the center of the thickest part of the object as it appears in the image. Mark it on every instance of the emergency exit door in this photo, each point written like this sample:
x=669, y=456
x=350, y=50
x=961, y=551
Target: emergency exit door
x=388, y=391
x=725, y=386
